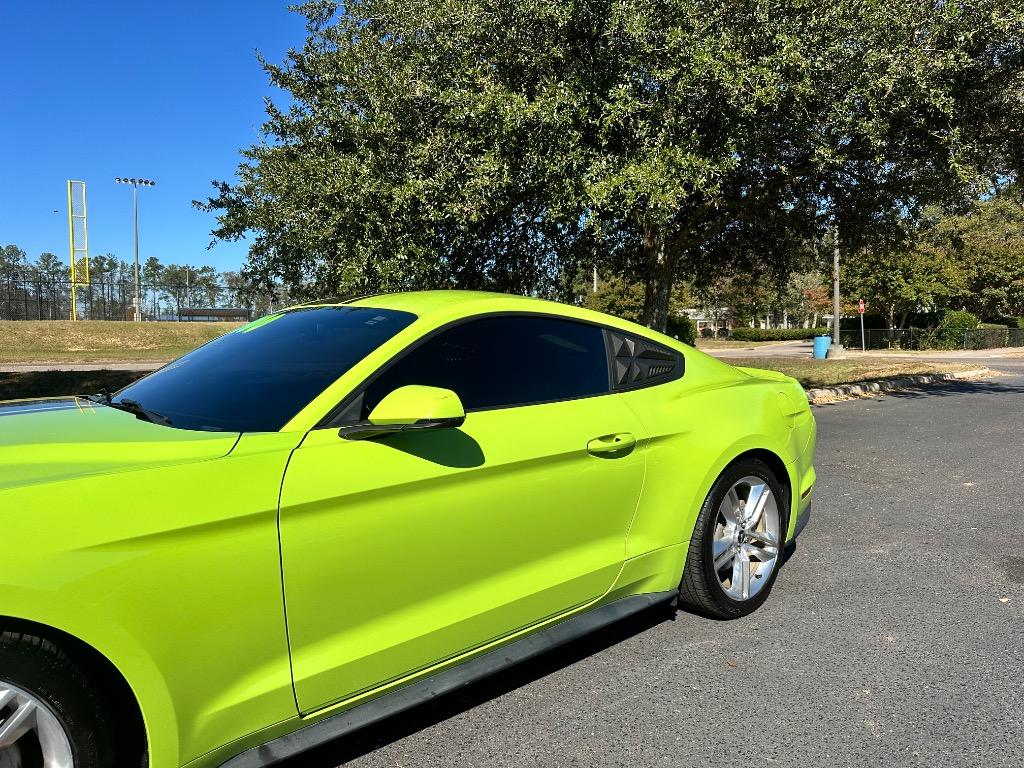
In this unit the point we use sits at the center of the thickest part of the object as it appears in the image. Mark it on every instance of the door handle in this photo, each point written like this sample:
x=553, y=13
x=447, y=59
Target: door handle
x=612, y=446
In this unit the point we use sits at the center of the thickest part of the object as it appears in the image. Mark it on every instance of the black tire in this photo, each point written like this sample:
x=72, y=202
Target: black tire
x=700, y=590
x=43, y=669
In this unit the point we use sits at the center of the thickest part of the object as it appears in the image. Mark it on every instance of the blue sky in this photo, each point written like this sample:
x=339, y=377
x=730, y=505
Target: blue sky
x=169, y=91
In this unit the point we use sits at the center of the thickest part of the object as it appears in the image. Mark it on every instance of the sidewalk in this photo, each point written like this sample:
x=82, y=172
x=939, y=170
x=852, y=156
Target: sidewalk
x=95, y=366
x=783, y=349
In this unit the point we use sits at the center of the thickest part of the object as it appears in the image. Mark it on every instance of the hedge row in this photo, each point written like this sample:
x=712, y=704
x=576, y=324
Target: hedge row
x=776, y=334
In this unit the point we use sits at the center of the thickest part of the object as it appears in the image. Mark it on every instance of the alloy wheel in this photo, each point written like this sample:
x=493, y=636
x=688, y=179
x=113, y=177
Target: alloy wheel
x=745, y=540
x=31, y=736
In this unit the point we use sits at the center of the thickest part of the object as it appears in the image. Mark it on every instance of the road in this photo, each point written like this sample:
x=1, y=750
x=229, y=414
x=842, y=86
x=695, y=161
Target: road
x=894, y=636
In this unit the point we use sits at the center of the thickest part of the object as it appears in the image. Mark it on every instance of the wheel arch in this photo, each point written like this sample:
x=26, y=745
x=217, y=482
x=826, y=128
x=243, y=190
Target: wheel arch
x=126, y=677
x=778, y=467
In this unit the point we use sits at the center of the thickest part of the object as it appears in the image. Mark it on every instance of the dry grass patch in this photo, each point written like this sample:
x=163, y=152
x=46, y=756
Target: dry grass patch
x=84, y=341
x=830, y=373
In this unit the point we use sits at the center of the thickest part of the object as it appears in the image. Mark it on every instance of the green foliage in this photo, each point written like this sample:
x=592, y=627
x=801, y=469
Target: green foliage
x=987, y=244
x=898, y=282
x=619, y=297
x=505, y=145
x=1010, y=322
x=776, y=334
x=949, y=333
x=623, y=298
x=681, y=327
x=11, y=258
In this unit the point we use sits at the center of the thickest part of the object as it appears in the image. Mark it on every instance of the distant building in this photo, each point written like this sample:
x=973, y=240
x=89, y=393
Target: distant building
x=717, y=325
x=214, y=314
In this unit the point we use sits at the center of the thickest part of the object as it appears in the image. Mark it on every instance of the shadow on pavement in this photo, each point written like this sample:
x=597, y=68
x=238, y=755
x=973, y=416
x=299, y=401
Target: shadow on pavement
x=958, y=387
x=399, y=726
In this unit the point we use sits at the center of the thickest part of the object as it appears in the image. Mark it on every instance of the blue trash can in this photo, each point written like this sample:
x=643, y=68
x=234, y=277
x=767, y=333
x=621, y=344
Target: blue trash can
x=821, y=345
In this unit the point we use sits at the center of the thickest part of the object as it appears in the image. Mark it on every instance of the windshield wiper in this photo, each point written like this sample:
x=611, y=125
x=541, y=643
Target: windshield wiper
x=131, y=406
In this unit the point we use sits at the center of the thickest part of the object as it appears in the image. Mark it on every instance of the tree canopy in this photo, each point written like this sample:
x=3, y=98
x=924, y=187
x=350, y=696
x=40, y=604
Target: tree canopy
x=507, y=145
x=987, y=245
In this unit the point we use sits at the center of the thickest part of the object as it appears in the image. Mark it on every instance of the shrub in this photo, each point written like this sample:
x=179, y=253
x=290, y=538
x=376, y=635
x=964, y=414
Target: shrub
x=681, y=327
x=949, y=333
x=776, y=334
x=988, y=336
x=1009, y=322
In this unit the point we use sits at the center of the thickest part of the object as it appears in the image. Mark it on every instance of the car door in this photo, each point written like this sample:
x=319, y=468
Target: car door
x=402, y=551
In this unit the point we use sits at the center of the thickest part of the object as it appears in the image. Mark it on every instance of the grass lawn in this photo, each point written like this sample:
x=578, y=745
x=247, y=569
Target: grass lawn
x=828, y=373
x=86, y=341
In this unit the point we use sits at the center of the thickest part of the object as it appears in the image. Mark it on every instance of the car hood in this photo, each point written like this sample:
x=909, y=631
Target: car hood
x=56, y=439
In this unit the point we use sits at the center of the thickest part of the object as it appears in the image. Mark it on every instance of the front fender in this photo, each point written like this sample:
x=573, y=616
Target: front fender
x=119, y=647
x=173, y=574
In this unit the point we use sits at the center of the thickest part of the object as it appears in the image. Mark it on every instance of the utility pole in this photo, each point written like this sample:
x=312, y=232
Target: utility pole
x=835, y=349
x=135, y=184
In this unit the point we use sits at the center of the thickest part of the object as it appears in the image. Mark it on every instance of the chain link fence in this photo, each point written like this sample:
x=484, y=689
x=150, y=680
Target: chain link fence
x=991, y=338
x=44, y=298
x=885, y=338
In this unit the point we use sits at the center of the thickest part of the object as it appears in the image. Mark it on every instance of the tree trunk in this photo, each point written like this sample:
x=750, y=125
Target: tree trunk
x=660, y=272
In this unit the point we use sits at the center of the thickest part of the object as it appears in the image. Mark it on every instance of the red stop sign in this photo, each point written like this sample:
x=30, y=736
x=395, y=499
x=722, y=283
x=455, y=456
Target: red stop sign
x=860, y=306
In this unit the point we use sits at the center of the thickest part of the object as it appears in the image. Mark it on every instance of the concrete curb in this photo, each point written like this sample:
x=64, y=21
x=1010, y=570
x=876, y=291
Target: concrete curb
x=825, y=395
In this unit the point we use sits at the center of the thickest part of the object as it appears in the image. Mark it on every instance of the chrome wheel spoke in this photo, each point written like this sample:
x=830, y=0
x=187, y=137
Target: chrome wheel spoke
x=762, y=554
x=723, y=553
x=754, y=508
x=31, y=723
x=20, y=722
x=742, y=558
x=766, y=539
x=731, y=508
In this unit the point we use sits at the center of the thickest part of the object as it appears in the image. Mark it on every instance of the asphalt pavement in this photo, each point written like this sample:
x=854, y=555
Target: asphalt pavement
x=894, y=635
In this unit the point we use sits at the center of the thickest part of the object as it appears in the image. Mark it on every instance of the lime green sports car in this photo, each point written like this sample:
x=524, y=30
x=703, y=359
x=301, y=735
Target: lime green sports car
x=344, y=509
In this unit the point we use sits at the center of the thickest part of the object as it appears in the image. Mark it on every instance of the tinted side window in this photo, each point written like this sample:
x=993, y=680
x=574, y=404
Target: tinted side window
x=499, y=362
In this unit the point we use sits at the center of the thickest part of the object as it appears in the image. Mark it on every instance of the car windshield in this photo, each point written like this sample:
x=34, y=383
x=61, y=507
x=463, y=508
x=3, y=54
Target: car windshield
x=256, y=378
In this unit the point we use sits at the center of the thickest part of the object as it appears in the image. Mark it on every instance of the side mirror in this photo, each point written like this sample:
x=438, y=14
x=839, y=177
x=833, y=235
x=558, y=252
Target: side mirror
x=408, y=408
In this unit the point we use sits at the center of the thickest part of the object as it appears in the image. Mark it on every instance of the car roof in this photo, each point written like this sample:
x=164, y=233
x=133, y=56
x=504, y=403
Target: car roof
x=444, y=305
x=423, y=303
x=426, y=303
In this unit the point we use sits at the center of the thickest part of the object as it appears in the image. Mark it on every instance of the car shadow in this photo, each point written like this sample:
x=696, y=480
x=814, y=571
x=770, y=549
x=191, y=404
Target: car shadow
x=447, y=447
x=397, y=727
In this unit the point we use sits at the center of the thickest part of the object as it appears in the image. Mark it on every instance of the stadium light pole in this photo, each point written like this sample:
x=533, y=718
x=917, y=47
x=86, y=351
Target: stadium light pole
x=135, y=184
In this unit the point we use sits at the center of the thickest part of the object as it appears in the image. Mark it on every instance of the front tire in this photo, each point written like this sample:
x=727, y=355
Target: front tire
x=734, y=554
x=51, y=714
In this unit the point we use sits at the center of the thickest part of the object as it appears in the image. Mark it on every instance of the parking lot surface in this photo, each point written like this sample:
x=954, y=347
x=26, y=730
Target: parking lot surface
x=894, y=635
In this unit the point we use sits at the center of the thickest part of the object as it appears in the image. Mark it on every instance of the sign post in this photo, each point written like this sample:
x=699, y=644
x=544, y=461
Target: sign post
x=860, y=310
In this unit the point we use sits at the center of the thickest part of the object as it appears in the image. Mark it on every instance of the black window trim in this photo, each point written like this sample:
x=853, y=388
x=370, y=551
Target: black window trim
x=329, y=419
